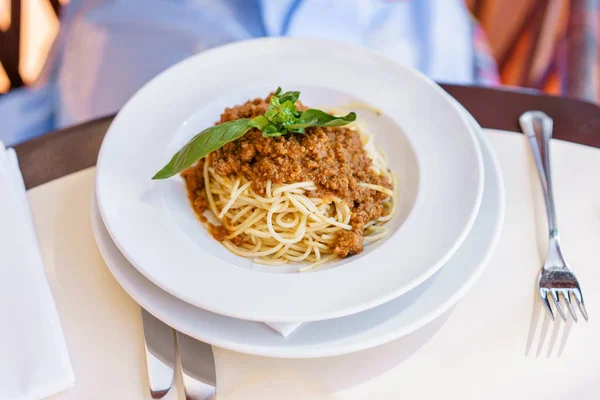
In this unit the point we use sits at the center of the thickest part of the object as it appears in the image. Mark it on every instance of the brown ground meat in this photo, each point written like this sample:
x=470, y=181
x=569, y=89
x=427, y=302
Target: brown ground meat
x=219, y=232
x=194, y=181
x=332, y=158
x=348, y=243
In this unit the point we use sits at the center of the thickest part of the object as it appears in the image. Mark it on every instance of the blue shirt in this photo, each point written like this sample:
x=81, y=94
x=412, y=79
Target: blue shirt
x=105, y=51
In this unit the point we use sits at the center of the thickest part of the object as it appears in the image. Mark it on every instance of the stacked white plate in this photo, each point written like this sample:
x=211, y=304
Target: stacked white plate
x=451, y=205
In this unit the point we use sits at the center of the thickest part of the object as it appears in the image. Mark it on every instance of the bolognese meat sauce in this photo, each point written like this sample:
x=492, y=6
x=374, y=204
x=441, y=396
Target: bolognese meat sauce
x=333, y=158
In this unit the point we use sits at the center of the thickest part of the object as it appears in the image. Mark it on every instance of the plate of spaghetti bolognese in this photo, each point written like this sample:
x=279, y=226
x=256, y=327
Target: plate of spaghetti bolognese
x=292, y=192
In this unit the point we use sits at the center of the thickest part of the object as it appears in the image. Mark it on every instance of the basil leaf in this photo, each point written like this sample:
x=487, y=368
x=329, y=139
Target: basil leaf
x=202, y=144
x=260, y=122
x=281, y=114
x=289, y=96
x=297, y=130
x=281, y=117
x=312, y=117
x=272, y=130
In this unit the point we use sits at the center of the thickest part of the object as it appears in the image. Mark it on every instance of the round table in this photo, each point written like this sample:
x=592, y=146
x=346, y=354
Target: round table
x=69, y=150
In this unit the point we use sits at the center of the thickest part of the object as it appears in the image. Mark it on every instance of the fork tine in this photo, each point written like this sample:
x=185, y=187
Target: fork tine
x=580, y=303
x=546, y=302
x=557, y=304
x=567, y=297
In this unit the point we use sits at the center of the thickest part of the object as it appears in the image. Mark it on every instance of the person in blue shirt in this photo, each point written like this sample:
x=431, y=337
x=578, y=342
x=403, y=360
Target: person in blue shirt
x=108, y=49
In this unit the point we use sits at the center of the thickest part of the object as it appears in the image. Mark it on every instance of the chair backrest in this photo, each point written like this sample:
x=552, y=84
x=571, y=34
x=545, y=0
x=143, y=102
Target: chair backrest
x=550, y=45
x=10, y=40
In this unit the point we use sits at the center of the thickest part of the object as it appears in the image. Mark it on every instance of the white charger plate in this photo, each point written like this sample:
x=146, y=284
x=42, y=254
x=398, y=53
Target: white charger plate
x=344, y=335
x=434, y=154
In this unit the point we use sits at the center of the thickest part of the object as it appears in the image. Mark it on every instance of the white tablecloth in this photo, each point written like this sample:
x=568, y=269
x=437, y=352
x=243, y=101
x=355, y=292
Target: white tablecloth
x=496, y=343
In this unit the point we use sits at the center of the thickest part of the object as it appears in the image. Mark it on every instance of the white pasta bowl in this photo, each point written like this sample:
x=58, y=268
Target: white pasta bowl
x=430, y=147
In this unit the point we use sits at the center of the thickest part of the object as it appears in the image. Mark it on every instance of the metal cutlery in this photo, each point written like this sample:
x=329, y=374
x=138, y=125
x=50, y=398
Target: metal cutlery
x=162, y=343
x=159, y=341
x=556, y=279
x=190, y=351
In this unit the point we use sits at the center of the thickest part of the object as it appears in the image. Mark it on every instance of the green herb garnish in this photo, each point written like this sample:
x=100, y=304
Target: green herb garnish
x=281, y=118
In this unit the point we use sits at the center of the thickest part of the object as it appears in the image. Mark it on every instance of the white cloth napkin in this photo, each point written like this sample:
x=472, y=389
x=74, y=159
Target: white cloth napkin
x=34, y=360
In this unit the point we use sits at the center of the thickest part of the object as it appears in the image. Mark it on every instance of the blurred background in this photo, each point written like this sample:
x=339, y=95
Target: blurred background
x=27, y=30
x=546, y=45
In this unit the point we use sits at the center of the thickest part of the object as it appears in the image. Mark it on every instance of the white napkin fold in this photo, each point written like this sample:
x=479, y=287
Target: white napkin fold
x=34, y=360
x=284, y=328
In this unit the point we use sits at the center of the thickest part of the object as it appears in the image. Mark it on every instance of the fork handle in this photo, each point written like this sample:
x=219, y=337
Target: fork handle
x=537, y=124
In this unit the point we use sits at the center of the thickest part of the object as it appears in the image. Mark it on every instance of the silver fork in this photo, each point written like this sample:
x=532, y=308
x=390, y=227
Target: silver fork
x=556, y=278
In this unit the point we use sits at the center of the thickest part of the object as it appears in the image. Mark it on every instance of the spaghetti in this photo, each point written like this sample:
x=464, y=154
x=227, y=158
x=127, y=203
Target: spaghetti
x=295, y=221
